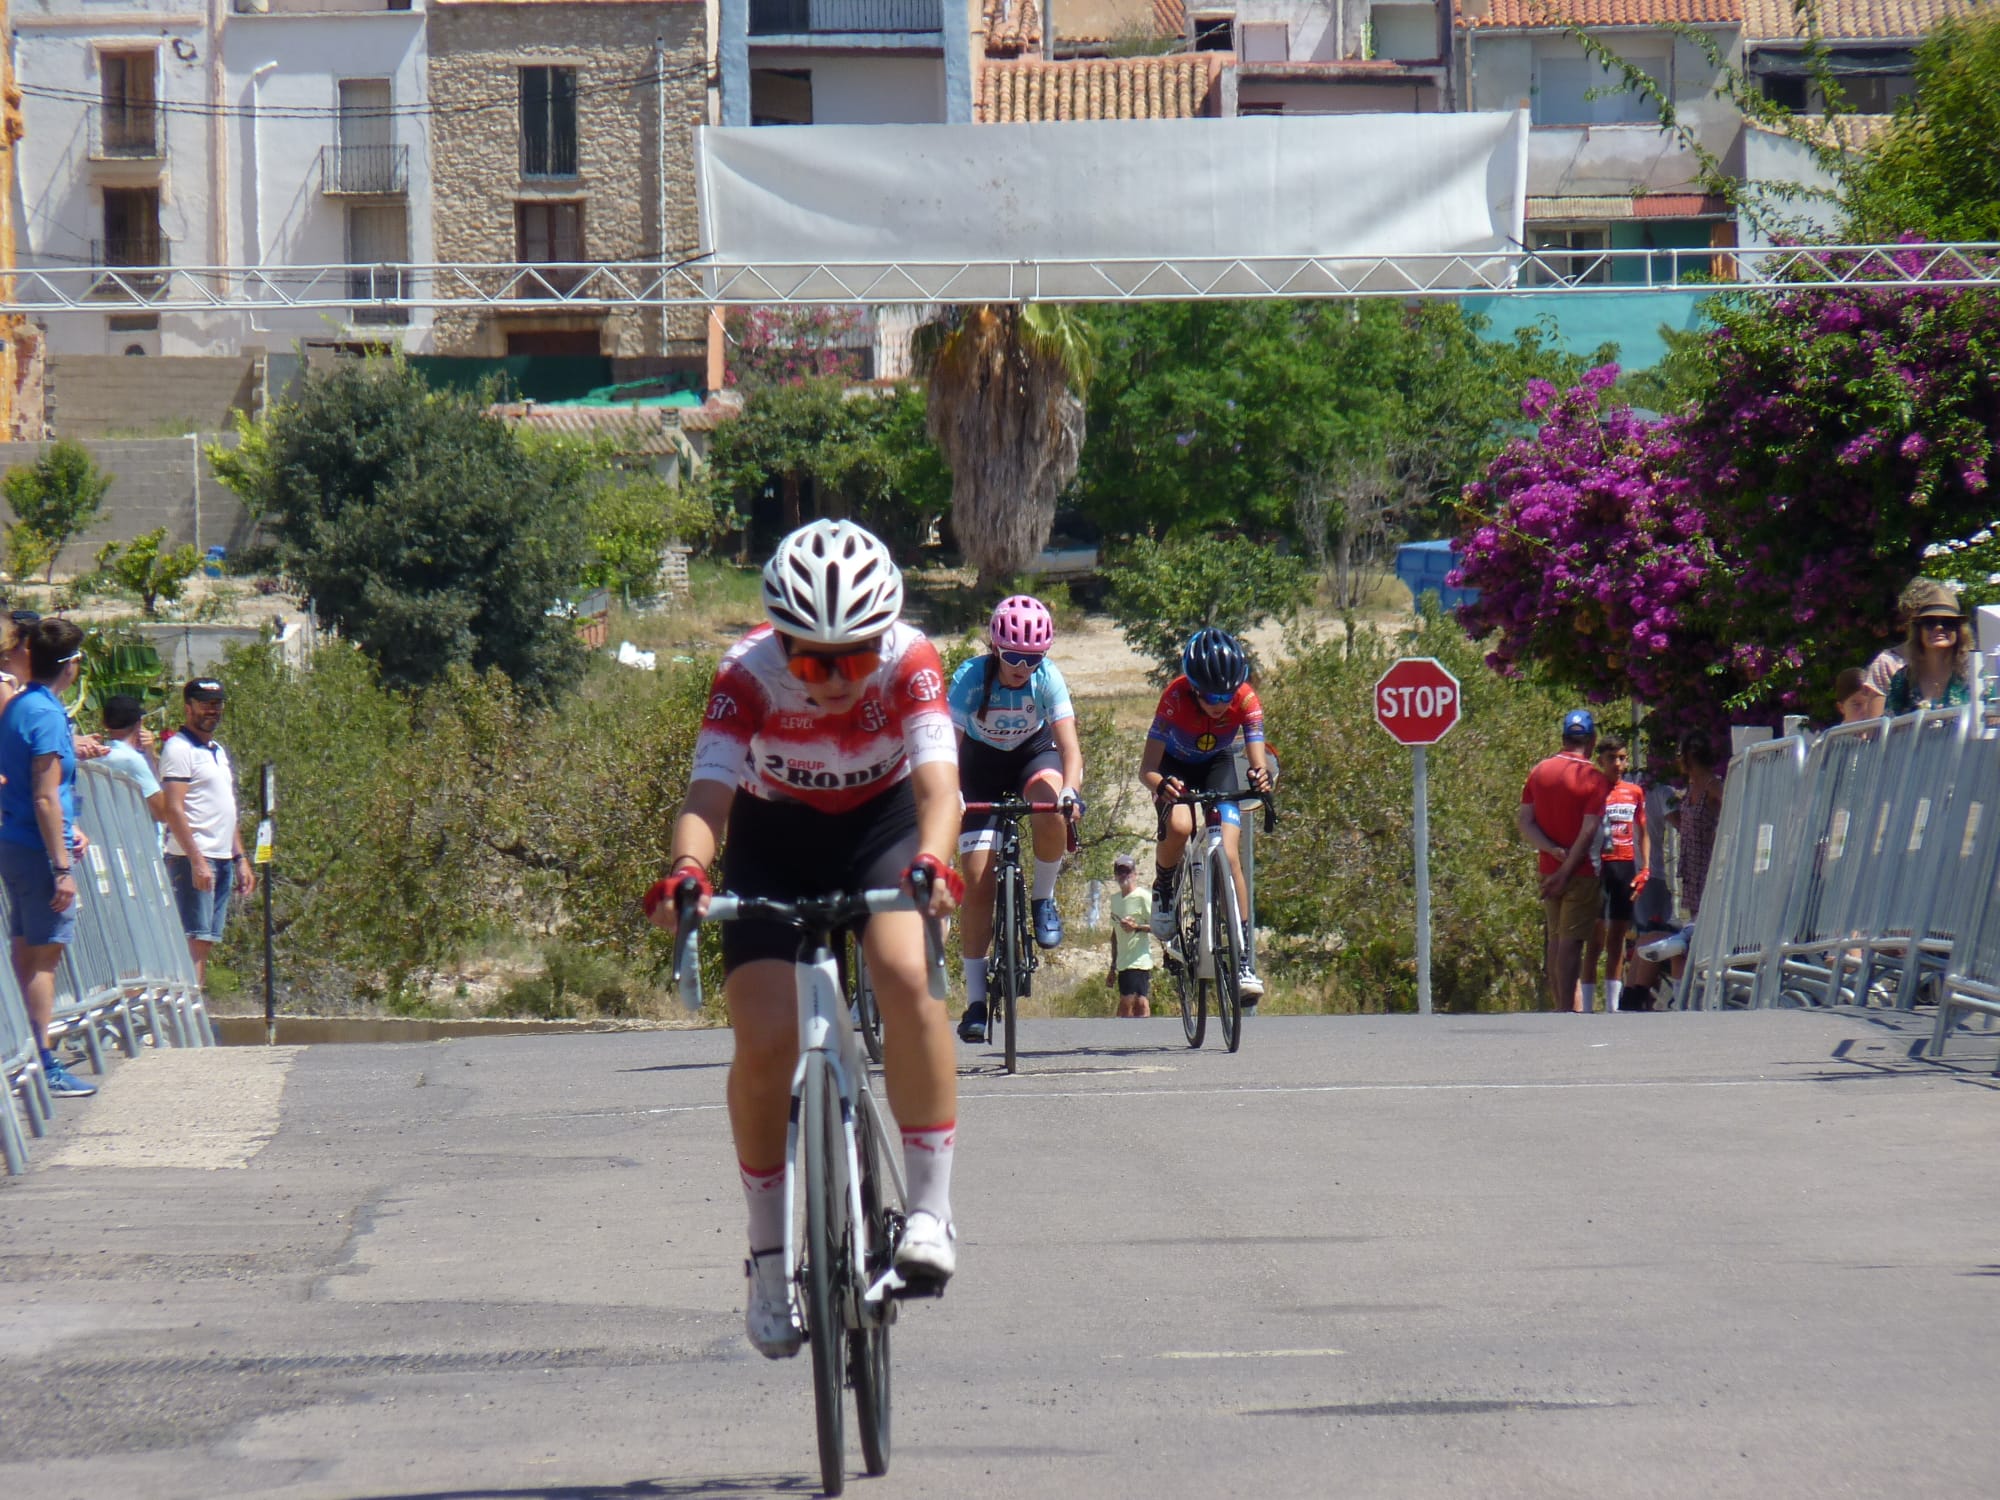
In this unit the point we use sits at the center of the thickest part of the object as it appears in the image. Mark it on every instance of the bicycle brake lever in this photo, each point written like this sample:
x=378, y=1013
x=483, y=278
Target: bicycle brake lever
x=687, y=968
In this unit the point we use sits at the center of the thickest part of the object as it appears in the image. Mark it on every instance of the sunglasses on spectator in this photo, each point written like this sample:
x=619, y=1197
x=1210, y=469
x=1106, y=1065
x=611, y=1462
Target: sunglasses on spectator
x=1949, y=627
x=1022, y=658
x=816, y=668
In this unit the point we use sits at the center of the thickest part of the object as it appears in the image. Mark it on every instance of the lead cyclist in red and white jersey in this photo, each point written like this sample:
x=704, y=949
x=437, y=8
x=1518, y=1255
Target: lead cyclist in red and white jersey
x=827, y=757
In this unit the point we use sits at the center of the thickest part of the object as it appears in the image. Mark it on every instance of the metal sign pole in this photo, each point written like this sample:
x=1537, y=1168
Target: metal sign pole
x=268, y=799
x=1421, y=762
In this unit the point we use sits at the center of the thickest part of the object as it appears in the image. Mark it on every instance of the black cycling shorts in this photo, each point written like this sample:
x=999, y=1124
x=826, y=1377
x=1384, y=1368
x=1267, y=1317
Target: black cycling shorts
x=1135, y=982
x=786, y=850
x=1617, y=876
x=1216, y=774
x=989, y=775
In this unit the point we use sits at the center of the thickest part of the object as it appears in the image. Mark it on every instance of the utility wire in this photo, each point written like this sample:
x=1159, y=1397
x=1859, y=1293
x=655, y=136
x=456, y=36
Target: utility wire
x=206, y=110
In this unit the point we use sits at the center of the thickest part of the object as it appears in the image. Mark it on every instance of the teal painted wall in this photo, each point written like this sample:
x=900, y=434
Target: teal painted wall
x=1585, y=320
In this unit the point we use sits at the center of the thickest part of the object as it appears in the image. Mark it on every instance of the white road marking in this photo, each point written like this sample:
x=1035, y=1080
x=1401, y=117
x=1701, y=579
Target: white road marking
x=1250, y=1354
x=203, y=1108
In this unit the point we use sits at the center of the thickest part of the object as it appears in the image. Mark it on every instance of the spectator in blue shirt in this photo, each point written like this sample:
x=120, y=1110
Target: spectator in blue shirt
x=39, y=839
x=125, y=750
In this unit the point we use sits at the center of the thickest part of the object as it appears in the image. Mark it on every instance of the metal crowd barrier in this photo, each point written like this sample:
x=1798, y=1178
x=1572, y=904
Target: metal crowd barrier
x=1862, y=869
x=127, y=979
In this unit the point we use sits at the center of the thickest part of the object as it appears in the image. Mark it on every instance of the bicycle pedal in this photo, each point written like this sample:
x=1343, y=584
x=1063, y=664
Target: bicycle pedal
x=908, y=1288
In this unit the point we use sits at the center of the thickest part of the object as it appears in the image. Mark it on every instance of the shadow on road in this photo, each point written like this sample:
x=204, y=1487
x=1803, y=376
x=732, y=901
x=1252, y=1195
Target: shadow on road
x=634, y=1489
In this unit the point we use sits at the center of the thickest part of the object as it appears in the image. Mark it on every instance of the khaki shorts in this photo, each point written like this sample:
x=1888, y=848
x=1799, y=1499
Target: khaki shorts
x=1572, y=916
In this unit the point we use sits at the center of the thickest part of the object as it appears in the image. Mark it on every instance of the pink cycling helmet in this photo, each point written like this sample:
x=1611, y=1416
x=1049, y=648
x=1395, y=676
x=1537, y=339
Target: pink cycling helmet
x=1021, y=624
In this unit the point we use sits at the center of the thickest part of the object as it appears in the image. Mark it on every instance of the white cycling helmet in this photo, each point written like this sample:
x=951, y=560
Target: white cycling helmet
x=832, y=583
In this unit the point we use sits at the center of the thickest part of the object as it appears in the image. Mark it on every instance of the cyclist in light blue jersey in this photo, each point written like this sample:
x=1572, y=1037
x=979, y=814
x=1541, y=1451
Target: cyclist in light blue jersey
x=1016, y=737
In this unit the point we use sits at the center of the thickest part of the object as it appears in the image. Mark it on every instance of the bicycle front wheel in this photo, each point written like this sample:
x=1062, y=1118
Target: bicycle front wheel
x=1191, y=992
x=826, y=1262
x=868, y=1343
x=1006, y=969
x=1228, y=957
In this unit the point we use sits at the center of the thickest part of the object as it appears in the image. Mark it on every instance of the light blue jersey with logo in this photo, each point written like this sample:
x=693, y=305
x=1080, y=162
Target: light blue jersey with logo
x=1007, y=718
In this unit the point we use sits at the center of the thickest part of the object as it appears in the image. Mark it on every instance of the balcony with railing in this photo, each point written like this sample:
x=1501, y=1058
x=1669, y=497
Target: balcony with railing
x=845, y=17
x=372, y=171
x=134, y=265
x=134, y=131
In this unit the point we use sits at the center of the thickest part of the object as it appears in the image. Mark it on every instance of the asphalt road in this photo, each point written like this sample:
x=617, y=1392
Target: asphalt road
x=1538, y=1256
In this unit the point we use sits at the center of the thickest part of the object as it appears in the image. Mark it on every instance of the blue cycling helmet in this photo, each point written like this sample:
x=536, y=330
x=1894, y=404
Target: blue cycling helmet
x=1214, y=663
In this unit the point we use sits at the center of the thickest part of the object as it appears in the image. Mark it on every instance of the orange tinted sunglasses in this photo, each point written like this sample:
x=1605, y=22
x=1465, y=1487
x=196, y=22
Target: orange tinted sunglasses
x=815, y=668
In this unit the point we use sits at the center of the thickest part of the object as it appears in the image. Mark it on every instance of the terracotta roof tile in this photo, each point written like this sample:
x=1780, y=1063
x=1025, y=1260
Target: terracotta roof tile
x=1014, y=27
x=1627, y=206
x=1858, y=132
x=1852, y=20
x=1098, y=88
x=1524, y=15
x=653, y=431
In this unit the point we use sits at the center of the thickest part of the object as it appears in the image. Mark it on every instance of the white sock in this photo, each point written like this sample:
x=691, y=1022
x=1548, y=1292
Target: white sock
x=975, y=981
x=927, y=1168
x=764, y=1192
x=1590, y=997
x=1046, y=871
x=1613, y=988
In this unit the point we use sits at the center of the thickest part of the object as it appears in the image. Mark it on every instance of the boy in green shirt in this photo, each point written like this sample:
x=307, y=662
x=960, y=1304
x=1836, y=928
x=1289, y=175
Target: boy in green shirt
x=1131, y=941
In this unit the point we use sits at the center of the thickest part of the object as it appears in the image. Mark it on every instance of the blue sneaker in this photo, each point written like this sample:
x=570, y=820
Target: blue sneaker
x=1048, y=922
x=65, y=1084
x=972, y=1025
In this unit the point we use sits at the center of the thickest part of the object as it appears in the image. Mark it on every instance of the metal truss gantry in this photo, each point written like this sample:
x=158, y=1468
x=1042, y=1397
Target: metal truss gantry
x=632, y=285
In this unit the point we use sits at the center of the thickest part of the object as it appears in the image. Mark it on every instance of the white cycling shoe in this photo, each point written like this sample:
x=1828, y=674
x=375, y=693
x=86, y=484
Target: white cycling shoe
x=1667, y=948
x=1248, y=985
x=927, y=1254
x=770, y=1316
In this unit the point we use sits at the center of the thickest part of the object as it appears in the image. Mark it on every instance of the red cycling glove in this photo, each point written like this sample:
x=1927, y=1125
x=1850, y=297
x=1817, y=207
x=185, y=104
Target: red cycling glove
x=663, y=890
x=939, y=871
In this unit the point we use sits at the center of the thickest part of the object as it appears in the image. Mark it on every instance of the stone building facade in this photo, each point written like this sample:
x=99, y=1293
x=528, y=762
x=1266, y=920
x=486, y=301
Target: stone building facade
x=557, y=135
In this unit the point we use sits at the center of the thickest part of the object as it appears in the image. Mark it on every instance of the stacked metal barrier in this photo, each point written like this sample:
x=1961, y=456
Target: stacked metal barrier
x=126, y=979
x=1860, y=869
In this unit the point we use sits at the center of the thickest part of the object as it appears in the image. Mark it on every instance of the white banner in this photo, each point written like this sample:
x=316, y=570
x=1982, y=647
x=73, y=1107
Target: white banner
x=1260, y=206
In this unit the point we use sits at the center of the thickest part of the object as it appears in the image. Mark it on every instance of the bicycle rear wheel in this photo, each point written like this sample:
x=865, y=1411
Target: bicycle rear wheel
x=1228, y=959
x=1191, y=992
x=868, y=1344
x=861, y=1002
x=826, y=1262
x=1007, y=967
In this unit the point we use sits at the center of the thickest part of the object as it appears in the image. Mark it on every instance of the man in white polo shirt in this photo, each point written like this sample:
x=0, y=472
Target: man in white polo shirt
x=205, y=857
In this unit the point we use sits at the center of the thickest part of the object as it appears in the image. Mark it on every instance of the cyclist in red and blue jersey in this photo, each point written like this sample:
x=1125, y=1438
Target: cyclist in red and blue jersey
x=1016, y=737
x=826, y=757
x=1192, y=744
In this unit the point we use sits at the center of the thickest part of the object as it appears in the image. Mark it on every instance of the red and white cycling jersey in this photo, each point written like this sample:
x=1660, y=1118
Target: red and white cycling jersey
x=763, y=735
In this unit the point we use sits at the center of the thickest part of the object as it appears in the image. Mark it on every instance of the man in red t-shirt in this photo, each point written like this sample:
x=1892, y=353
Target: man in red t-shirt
x=1561, y=808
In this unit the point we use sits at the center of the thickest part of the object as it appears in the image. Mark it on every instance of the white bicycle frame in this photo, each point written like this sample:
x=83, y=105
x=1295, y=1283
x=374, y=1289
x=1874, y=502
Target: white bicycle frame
x=1205, y=855
x=826, y=1028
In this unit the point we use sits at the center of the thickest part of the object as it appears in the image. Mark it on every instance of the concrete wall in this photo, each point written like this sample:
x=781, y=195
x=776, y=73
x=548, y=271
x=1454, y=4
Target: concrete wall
x=849, y=89
x=476, y=49
x=1310, y=22
x=276, y=211
x=1408, y=33
x=736, y=55
x=153, y=486
x=102, y=395
x=1608, y=159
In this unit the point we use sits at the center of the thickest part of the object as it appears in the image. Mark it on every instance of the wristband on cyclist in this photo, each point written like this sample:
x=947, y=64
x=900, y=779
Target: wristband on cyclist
x=938, y=870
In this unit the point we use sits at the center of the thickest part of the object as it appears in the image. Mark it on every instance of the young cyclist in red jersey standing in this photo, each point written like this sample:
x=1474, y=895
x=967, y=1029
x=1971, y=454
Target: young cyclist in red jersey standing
x=827, y=757
x=1192, y=744
x=1622, y=866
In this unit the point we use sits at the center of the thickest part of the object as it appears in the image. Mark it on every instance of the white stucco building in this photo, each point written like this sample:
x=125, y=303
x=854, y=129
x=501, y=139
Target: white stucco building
x=258, y=132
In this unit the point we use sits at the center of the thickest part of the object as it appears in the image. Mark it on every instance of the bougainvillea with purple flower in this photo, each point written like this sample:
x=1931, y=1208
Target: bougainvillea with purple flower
x=1731, y=560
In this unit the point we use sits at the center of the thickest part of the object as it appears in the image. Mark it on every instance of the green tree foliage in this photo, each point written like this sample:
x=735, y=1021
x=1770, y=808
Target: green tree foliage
x=1162, y=592
x=1935, y=174
x=120, y=660
x=1209, y=414
x=53, y=499
x=419, y=525
x=822, y=451
x=631, y=523
x=143, y=567
x=1337, y=883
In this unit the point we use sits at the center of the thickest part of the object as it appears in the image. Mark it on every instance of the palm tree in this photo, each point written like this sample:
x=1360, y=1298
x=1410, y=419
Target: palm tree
x=1006, y=408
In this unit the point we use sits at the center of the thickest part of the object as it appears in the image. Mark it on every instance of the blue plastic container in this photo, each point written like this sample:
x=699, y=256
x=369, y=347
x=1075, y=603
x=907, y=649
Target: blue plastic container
x=1422, y=566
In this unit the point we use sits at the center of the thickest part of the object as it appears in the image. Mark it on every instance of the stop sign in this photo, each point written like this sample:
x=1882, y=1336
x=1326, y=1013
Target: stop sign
x=1417, y=701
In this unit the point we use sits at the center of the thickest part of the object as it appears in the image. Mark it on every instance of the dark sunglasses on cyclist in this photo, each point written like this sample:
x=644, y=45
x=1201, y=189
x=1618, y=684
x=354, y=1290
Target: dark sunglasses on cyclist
x=1217, y=699
x=816, y=668
x=1022, y=658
